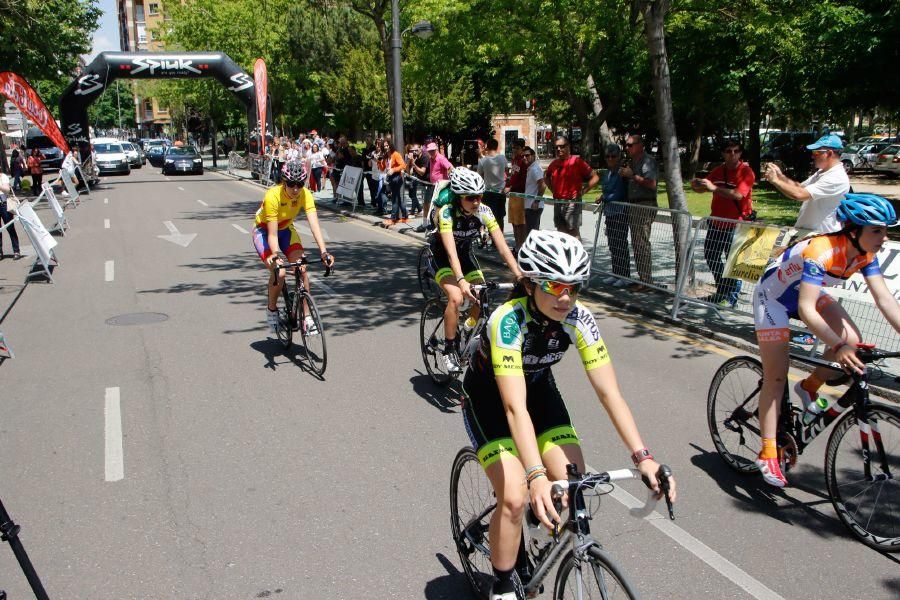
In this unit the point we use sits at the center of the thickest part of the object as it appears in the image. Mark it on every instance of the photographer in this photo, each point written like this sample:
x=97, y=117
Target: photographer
x=418, y=166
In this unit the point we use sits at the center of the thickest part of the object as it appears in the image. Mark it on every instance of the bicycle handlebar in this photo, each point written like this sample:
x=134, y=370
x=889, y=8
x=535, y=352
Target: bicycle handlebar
x=492, y=285
x=594, y=480
x=329, y=269
x=867, y=353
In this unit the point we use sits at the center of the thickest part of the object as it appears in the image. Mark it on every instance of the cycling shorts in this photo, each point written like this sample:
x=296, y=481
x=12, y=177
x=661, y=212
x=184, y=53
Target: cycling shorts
x=771, y=316
x=288, y=241
x=488, y=428
x=467, y=263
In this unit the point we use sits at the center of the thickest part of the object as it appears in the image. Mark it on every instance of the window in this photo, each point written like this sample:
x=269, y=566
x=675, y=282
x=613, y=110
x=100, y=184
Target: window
x=142, y=34
x=139, y=12
x=153, y=9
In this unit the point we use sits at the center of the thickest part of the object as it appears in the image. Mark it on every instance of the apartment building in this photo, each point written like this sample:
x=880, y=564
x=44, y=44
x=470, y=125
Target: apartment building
x=137, y=20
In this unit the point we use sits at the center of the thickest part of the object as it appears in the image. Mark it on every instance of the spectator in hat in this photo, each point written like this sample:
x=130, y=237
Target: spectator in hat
x=822, y=192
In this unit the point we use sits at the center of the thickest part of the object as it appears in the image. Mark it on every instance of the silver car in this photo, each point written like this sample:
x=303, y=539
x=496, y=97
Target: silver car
x=136, y=158
x=861, y=157
x=888, y=161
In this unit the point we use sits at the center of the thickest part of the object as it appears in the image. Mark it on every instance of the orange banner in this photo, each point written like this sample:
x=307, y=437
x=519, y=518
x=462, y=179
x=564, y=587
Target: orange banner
x=27, y=100
x=261, y=79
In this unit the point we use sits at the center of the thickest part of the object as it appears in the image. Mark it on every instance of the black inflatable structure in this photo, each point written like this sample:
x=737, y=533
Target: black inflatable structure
x=109, y=66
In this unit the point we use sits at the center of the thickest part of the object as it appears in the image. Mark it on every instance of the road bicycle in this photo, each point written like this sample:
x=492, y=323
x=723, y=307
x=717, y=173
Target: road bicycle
x=586, y=570
x=862, y=457
x=426, y=268
x=432, y=337
x=296, y=303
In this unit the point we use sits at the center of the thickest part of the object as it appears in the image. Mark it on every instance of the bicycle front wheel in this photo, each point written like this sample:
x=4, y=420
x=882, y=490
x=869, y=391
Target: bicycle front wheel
x=597, y=576
x=868, y=506
x=425, y=272
x=432, y=338
x=286, y=319
x=472, y=503
x=732, y=412
x=313, y=332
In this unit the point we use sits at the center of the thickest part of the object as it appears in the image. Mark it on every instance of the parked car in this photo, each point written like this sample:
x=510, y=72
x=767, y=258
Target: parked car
x=888, y=161
x=155, y=155
x=182, y=160
x=861, y=157
x=136, y=158
x=111, y=157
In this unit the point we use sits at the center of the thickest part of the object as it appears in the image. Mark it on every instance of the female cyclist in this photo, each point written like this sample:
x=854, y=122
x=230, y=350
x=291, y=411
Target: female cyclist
x=791, y=287
x=459, y=223
x=514, y=414
x=274, y=234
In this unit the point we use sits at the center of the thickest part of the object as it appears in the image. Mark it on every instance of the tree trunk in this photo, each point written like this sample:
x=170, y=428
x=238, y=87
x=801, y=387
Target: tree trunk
x=597, y=106
x=754, y=114
x=386, y=55
x=697, y=142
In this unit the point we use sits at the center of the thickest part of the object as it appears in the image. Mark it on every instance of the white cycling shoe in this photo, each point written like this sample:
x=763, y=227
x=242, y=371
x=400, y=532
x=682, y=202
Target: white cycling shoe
x=506, y=596
x=272, y=320
x=310, y=325
x=451, y=363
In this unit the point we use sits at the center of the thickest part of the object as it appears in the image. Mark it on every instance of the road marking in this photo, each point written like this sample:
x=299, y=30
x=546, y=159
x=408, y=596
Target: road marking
x=110, y=270
x=105, y=223
x=319, y=284
x=202, y=202
x=106, y=201
x=239, y=228
x=722, y=565
x=176, y=237
x=180, y=188
x=115, y=455
x=306, y=230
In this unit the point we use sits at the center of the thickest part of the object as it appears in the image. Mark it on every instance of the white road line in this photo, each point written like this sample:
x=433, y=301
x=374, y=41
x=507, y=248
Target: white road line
x=180, y=188
x=317, y=283
x=105, y=223
x=722, y=565
x=115, y=455
x=110, y=270
x=239, y=228
x=202, y=202
x=106, y=201
x=306, y=231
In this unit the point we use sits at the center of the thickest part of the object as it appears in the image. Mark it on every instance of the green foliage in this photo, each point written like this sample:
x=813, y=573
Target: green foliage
x=41, y=39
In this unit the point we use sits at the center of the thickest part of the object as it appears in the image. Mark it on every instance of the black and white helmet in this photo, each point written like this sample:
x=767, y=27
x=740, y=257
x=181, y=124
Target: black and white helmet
x=464, y=182
x=555, y=256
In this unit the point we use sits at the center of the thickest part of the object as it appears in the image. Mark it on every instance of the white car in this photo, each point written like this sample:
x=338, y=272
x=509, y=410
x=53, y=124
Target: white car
x=888, y=161
x=110, y=156
x=135, y=156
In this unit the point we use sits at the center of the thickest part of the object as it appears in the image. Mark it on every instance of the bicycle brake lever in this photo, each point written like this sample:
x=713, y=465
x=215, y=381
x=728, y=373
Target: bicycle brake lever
x=663, y=476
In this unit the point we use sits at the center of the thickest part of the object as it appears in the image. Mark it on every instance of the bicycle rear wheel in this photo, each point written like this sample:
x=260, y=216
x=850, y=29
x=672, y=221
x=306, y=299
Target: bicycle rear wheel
x=313, y=340
x=732, y=412
x=286, y=318
x=431, y=338
x=597, y=577
x=472, y=503
x=426, y=273
x=868, y=507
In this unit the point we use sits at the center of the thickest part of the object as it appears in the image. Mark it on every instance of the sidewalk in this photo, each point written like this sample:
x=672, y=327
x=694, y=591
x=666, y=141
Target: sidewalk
x=696, y=321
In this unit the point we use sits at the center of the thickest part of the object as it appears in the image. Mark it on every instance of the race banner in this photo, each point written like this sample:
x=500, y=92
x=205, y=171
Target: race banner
x=261, y=79
x=750, y=251
x=856, y=287
x=27, y=100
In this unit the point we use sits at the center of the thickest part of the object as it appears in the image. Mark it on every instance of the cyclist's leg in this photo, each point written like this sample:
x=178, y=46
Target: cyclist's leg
x=474, y=275
x=773, y=336
x=276, y=276
x=454, y=301
x=294, y=252
x=557, y=440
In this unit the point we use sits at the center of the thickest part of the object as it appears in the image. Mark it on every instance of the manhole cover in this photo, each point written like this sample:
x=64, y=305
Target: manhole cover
x=138, y=319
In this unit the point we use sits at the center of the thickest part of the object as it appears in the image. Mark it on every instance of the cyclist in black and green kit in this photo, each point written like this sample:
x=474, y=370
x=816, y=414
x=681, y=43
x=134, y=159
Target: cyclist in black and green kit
x=459, y=222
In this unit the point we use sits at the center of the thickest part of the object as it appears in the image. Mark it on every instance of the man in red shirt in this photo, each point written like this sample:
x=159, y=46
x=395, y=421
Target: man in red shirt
x=732, y=186
x=569, y=178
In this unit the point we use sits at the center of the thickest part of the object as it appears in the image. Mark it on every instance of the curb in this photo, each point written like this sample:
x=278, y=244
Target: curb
x=614, y=301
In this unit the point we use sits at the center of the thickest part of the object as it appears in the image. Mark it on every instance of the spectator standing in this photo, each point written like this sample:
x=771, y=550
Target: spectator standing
x=642, y=176
x=615, y=217
x=419, y=167
x=492, y=167
x=7, y=217
x=17, y=167
x=36, y=170
x=822, y=192
x=534, y=186
x=439, y=170
x=731, y=184
x=368, y=161
x=394, y=175
x=516, y=183
x=569, y=178
x=317, y=165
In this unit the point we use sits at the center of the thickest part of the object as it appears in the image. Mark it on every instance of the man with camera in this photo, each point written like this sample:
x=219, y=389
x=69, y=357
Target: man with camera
x=641, y=172
x=731, y=184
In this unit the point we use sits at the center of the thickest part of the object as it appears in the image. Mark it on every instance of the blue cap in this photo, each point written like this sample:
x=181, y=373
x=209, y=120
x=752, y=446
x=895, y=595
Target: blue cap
x=827, y=141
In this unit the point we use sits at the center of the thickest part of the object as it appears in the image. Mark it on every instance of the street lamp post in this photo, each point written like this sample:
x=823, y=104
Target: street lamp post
x=422, y=29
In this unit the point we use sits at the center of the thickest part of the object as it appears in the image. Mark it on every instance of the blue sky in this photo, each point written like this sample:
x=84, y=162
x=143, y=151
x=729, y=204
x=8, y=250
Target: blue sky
x=107, y=35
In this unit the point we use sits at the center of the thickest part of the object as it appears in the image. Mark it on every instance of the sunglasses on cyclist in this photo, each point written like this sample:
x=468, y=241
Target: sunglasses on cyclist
x=293, y=184
x=471, y=198
x=555, y=288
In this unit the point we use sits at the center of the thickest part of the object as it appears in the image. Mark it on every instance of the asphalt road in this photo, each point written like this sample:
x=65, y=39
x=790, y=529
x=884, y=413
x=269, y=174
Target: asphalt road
x=243, y=476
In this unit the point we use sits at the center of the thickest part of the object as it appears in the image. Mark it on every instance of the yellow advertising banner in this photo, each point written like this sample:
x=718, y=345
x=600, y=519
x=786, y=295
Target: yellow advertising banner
x=750, y=251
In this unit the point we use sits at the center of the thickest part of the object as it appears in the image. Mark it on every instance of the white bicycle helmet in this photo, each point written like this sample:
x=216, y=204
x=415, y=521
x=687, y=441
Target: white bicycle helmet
x=464, y=182
x=555, y=256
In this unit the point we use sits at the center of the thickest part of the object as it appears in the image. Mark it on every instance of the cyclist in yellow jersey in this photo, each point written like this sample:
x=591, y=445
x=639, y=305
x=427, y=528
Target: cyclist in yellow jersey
x=459, y=222
x=513, y=412
x=274, y=234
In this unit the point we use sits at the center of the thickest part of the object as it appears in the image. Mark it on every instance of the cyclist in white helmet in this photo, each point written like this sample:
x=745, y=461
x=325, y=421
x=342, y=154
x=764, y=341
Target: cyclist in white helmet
x=459, y=222
x=514, y=414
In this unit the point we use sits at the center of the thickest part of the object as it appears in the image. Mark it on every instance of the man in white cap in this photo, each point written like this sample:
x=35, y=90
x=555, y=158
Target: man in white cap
x=822, y=192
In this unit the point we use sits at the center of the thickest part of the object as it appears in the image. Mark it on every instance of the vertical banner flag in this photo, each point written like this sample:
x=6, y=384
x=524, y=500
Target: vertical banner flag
x=27, y=100
x=261, y=79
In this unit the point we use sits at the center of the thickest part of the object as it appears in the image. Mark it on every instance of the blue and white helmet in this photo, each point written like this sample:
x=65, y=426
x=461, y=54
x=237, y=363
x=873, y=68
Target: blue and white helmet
x=866, y=209
x=555, y=256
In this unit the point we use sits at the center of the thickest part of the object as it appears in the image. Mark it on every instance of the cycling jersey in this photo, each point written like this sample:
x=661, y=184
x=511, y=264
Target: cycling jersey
x=820, y=260
x=277, y=206
x=465, y=228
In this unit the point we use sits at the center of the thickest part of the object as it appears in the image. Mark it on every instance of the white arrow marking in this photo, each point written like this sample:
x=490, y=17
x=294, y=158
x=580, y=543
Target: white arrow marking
x=105, y=223
x=182, y=239
x=202, y=202
x=180, y=188
x=239, y=228
x=306, y=230
x=115, y=455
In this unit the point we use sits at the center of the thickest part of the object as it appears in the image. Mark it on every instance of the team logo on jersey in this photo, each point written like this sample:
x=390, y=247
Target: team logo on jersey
x=507, y=358
x=552, y=344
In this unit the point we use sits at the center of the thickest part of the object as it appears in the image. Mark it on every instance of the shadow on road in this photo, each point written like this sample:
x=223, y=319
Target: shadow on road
x=276, y=356
x=453, y=585
x=445, y=399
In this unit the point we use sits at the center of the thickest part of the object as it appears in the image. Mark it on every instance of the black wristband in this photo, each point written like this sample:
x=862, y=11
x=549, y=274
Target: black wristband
x=460, y=278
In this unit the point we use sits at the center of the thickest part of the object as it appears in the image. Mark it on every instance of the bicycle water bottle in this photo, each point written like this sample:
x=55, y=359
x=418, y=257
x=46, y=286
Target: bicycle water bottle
x=472, y=346
x=469, y=324
x=815, y=408
x=538, y=536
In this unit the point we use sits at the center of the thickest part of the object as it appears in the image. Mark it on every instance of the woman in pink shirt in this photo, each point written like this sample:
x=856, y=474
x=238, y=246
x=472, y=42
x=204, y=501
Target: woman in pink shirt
x=439, y=171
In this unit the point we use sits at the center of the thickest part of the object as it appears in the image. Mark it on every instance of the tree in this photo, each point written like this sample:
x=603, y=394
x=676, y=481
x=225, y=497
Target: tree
x=42, y=39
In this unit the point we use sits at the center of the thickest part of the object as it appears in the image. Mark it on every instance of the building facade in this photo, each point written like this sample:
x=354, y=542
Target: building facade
x=137, y=21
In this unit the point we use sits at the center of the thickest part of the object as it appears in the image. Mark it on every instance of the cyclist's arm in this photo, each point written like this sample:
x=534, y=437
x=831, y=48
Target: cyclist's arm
x=313, y=219
x=885, y=300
